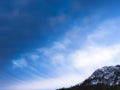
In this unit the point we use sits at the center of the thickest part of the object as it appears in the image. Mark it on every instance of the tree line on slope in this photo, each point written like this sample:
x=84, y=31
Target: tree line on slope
x=92, y=87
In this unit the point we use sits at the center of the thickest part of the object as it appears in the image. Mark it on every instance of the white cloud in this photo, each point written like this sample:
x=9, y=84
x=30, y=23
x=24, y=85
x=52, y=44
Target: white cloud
x=106, y=33
x=84, y=62
x=94, y=56
x=74, y=65
x=34, y=56
x=58, y=59
x=19, y=63
x=52, y=83
x=59, y=45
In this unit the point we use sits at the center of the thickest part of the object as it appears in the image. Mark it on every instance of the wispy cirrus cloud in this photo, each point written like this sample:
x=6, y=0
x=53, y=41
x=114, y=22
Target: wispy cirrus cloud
x=19, y=63
x=70, y=63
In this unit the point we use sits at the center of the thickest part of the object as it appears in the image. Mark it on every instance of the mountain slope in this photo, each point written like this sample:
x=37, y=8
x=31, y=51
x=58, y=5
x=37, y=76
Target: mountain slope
x=105, y=78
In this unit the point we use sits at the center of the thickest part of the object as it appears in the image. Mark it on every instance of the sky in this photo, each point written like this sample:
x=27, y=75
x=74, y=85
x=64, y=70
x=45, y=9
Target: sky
x=50, y=44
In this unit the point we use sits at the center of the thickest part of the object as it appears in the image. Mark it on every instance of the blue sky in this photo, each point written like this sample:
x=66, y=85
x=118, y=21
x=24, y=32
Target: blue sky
x=58, y=41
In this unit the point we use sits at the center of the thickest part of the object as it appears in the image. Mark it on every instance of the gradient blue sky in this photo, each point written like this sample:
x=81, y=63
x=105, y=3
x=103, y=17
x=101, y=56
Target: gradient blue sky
x=49, y=44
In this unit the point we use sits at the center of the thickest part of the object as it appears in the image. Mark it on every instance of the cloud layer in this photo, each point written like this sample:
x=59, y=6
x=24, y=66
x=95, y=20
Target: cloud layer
x=56, y=41
x=68, y=62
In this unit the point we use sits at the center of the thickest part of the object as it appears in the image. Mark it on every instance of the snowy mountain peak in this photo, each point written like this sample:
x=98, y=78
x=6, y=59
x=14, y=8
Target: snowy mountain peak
x=108, y=75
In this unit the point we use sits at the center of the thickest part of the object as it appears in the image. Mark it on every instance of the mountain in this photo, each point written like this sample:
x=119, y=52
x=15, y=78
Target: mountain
x=105, y=78
x=109, y=75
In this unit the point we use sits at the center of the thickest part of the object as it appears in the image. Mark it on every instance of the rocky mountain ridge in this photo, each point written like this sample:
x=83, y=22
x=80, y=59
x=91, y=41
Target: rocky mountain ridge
x=108, y=75
x=105, y=78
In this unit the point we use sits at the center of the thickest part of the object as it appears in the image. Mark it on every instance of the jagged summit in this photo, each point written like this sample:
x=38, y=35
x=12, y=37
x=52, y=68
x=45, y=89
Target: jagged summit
x=108, y=75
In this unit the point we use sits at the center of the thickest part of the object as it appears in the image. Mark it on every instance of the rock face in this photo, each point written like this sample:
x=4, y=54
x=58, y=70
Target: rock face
x=108, y=75
x=105, y=78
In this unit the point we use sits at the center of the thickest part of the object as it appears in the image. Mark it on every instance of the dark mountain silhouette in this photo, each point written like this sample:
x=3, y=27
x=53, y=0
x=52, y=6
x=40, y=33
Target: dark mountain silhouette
x=105, y=78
